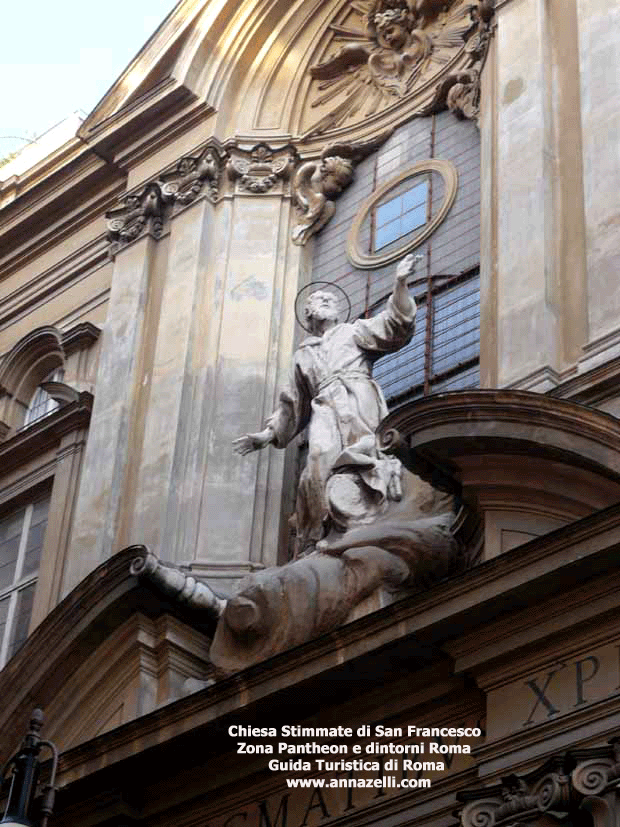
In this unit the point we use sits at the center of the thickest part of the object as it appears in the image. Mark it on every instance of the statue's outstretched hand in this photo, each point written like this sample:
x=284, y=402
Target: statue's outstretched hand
x=406, y=267
x=252, y=442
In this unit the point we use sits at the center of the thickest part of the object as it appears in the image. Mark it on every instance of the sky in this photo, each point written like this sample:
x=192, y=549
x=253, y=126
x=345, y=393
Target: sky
x=61, y=56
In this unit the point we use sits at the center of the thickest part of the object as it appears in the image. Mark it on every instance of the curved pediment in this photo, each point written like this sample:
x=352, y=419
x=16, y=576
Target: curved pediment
x=109, y=653
x=526, y=462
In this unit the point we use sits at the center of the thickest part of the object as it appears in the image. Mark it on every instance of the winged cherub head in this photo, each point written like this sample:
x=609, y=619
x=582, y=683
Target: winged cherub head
x=390, y=23
x=336, y=174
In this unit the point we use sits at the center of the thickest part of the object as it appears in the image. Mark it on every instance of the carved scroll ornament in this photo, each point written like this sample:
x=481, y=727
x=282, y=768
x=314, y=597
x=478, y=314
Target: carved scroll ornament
x=260, y=169
x=564, y=786
x=138, y=213
x=388, y=51
x=195, y=173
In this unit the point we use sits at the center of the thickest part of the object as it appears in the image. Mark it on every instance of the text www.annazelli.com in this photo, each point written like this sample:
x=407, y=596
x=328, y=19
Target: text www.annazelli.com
x=383, y=782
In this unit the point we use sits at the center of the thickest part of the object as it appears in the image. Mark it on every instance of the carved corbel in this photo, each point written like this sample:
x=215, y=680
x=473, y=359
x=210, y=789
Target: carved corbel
x=318, y=183
x=260, y=169
x=140, y=212
x=193, y=174
x=61, y=393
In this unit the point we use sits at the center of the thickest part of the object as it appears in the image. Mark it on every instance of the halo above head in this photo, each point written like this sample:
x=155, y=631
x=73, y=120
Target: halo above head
x=344, y=304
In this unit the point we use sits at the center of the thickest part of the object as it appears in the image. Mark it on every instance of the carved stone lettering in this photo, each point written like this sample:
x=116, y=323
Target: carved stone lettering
x=314, y=807
x=562, y=688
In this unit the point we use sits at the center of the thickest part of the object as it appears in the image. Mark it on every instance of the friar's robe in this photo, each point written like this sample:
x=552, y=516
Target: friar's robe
x=331, y=390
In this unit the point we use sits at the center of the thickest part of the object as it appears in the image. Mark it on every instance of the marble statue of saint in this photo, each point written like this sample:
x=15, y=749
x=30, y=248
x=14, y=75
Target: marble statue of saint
x=332, y=393
x=367, y=525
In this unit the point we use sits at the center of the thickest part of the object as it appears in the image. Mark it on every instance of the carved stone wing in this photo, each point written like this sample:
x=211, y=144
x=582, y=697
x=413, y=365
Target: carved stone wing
x=363, y=96
x=349, y=57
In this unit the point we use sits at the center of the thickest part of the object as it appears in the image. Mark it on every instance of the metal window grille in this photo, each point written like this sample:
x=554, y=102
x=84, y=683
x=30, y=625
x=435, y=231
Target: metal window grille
x=444, y=353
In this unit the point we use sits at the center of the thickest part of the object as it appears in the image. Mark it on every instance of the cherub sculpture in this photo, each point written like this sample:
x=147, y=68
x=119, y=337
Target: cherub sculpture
x=403, y=41
x=317, y=184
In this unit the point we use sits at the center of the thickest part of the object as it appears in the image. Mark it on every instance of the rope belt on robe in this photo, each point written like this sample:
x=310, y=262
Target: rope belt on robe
x=343, y=375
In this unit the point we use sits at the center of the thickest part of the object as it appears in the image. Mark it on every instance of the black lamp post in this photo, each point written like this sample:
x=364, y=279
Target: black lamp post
x=25, y=778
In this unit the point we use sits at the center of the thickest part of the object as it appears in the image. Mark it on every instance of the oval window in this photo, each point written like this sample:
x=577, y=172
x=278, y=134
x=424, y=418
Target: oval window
x=402, y=214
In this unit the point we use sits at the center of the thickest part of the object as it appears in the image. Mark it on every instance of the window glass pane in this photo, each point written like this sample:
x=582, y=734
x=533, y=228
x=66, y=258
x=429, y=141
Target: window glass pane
x=456, y=327
x=40, y=510
x=10, y=534
x=42, y=403
x=8, y=559
x=33, y=549
x=416, y=196
x=399, y=372
x=413, y=219
x=25, y=599
x=468, y=378
x=388, y=233
x=401, y=215
x=36, y=534
x=389, y=211
x=11, y=526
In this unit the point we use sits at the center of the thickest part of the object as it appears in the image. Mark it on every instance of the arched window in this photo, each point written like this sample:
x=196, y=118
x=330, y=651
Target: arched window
x=41, y=403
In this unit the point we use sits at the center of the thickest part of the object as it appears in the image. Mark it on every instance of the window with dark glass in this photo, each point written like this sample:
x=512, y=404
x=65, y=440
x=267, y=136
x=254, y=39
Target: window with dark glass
x=401, y=215
x=444, y=353
x=21, y=542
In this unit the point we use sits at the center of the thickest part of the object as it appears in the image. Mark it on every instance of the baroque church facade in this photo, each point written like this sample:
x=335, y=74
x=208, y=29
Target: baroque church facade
x=159, y=595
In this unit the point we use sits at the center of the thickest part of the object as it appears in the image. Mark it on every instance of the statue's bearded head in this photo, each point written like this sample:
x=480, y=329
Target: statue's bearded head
x=321, y=311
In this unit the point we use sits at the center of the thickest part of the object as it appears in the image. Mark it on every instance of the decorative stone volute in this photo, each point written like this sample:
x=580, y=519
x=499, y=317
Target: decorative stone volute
x=564, y=786
x=194, y=174
x=261, y=169
x=139, y=212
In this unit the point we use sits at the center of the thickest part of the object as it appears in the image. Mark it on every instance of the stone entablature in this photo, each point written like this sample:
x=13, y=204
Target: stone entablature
x=218, y=170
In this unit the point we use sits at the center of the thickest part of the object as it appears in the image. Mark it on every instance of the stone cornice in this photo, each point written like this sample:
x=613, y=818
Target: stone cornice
x=528, y=421
x=80, y=337
x=542, y=567
x=217, y=170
